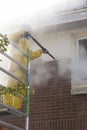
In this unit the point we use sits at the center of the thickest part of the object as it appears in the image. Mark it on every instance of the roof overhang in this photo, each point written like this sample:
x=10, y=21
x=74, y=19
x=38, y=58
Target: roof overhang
x=65, y=21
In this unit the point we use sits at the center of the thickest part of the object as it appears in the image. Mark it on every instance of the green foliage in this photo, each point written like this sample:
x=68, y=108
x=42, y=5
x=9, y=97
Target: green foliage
x=20, y=89
x=3, y=43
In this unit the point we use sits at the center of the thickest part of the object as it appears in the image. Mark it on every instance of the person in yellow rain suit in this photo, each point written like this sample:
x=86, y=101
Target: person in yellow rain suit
x=23, y=44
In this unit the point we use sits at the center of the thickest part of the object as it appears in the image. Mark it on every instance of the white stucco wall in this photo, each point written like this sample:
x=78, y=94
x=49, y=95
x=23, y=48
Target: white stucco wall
x=59, y=44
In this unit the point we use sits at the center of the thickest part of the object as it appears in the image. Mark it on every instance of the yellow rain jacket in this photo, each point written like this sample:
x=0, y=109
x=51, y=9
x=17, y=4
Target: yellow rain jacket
x=23, y=44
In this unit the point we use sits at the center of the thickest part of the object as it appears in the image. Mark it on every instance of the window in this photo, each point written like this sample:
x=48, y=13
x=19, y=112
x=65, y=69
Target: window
x=83, y=58
x=79, y=67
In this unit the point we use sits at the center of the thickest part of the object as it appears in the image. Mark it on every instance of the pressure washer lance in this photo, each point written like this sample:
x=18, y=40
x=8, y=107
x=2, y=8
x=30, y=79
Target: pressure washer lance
x=27, y=35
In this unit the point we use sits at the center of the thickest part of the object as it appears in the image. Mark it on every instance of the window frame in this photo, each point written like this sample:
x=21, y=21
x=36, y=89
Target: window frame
x=81, y=86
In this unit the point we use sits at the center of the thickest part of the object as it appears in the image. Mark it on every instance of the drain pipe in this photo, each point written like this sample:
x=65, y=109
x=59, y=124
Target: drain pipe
x=28, y=93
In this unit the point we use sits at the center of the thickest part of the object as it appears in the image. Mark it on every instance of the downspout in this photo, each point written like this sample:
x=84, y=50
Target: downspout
x=28, y=93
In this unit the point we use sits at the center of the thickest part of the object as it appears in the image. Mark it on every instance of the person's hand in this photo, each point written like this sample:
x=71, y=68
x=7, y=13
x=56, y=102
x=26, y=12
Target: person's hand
x=45, y=51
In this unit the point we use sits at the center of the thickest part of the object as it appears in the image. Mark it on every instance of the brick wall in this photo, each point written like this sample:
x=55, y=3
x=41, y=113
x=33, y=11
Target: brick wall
x=52, y=107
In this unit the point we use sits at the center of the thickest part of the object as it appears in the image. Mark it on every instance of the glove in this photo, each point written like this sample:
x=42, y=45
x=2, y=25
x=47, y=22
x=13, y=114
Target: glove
x=45, y=51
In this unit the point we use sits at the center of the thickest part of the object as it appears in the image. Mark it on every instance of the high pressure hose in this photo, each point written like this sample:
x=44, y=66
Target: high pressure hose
x=28, y=36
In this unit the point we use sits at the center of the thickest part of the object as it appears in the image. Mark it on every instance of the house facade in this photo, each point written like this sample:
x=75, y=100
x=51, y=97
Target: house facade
x=60, y=85
x=65, y=37
x=62, y=101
